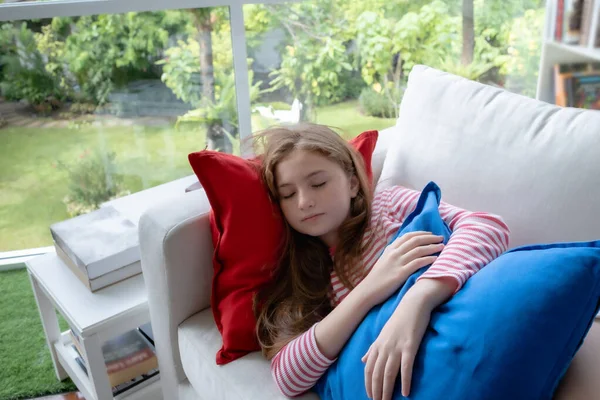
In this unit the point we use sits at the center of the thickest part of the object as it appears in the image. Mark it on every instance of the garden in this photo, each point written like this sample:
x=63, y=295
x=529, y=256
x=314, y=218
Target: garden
x=96, y=107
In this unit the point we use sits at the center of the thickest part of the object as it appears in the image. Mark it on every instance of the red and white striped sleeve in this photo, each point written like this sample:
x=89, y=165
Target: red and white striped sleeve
x=299, y=365
x=477, y=238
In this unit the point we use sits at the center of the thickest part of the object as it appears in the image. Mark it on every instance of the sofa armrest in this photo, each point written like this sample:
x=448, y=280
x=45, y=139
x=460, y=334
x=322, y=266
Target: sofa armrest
x=176, y=256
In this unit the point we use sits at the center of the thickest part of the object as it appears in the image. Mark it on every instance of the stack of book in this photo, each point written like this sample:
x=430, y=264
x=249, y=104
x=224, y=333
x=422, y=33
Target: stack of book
x=101, y=247
x=573, y=22
x=130, y=358
x=577, y=85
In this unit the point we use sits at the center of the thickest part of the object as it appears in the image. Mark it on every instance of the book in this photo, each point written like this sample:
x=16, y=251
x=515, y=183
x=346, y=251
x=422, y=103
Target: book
x=76, y=342
x=559, y=18
x=577, y=85
x=138, y=381
x=146, y=330
x=561, y=74
x=98, y=242
x=573, y=18
x=79, y=359
x=596, y=35
x=586, y=91
x=102, y=281
x=586, y=22
x=126, y=357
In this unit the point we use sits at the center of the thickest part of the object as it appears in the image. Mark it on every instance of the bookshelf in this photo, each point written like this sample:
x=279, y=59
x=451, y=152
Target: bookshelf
x=96, y=317
x=560, y=53
x=66, y=355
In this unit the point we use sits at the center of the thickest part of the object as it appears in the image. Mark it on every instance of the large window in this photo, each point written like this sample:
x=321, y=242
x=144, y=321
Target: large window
x=96, y=107
x=347, y=62
x=104, y=98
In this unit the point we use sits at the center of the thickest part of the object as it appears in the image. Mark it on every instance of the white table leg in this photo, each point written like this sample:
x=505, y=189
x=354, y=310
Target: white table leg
x=50, y=325
x=92, y=347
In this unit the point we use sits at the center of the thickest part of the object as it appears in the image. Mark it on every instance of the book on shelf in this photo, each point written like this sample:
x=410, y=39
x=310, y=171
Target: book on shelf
x=586, y=21
x=126, y=357
x=98, y=243
x=146, y=330
x=572, y=22
x=577, y=85
x=138, y=381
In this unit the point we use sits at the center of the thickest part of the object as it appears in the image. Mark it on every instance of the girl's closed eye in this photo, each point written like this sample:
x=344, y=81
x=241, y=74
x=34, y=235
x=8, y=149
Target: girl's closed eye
x=286, y=196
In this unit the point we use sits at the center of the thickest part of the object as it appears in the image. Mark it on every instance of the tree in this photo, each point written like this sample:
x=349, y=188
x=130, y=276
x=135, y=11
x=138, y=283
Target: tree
x=315, y=57
x=95, y=54
x=205, y=79
x=215, y=137
x=524, y=47
x=22, y=69
x=468, y=32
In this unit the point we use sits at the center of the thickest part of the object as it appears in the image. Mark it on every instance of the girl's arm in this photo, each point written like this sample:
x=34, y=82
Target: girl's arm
x=477, y=238
x=300, y=364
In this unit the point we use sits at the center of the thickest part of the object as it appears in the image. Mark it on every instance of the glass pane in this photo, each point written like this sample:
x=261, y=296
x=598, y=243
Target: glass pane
x=97, y=107
x=347, y=61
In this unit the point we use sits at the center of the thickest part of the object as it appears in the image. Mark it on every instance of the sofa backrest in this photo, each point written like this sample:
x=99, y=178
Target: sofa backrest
x=535, y=164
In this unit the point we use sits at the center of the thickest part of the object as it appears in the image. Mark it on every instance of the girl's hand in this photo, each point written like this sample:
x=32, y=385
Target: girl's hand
x=398, y=262
x=395, y=349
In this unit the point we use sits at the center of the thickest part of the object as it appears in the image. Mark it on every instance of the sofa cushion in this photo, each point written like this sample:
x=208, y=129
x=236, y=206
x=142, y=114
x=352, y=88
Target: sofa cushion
x=581, y=380
x=533, y=163
x=384, y=139
x=247, y=378
x=510, y=333
x=242, y=261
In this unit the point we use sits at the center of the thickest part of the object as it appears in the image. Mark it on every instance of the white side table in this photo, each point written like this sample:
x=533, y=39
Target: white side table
x=96, y=317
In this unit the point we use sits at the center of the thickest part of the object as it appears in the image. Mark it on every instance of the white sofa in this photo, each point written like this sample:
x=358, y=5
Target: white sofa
x=535, y=164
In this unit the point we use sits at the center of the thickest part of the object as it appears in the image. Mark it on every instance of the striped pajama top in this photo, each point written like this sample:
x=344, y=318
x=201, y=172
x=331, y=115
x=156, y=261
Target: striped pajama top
x=477, y=238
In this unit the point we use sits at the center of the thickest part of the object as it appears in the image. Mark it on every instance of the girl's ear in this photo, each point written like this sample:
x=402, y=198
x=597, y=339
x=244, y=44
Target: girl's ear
x=354, y=186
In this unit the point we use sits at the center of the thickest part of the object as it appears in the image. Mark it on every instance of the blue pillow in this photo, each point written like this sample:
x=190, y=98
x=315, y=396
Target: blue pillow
x=509, y=333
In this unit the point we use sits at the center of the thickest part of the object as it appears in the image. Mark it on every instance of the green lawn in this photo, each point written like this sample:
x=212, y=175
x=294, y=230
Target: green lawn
x=31, y=193
x=26, y=364
x=347, y=117
x=31, y=189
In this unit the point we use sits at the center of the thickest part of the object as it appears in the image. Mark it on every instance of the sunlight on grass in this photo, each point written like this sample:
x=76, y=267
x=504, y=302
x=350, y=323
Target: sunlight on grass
x=348, y=118
x=32, y=188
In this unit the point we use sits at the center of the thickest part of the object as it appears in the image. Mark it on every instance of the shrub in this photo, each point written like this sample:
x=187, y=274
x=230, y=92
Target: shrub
x=92, y=181
x=24, y=72
x=378, y=104
x=351, y=86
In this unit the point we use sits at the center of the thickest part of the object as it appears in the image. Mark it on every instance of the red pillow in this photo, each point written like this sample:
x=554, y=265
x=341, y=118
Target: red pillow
x=247, y=231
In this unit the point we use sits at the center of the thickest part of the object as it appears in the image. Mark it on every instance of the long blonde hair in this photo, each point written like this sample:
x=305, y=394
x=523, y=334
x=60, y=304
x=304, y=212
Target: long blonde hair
x=297, y=296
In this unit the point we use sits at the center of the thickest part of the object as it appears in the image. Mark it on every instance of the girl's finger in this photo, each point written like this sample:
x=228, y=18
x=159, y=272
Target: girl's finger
x=371, y=359
x=364, y=358
x=389, y=376
x=378, y=371
x=406, y=237
x=417, y=241
x=423, y=251
x=417, y=264
x=406, y=369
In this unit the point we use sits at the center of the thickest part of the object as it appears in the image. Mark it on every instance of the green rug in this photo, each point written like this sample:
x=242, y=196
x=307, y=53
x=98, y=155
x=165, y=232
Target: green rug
x=27, y=369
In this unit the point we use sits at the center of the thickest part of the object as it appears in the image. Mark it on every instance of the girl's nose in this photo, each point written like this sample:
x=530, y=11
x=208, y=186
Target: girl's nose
x=305, y=201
